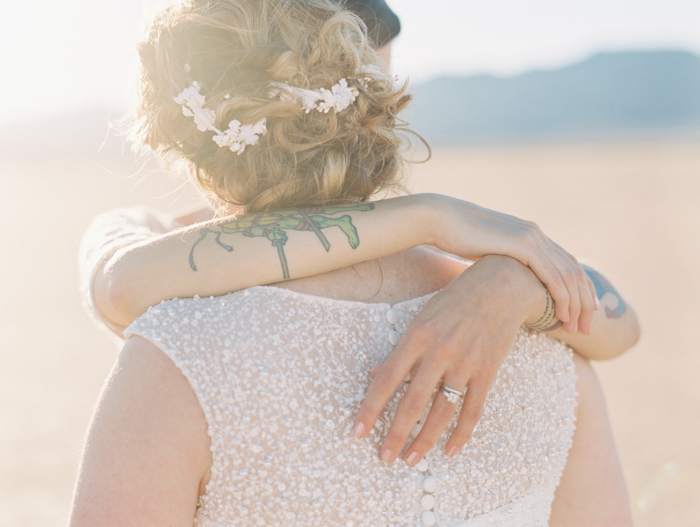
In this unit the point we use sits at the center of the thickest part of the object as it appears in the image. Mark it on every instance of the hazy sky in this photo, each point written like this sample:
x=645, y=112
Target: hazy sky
x=62, y=55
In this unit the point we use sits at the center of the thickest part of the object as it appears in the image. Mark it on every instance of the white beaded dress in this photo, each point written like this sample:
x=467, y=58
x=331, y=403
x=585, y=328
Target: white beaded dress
x=280, y=376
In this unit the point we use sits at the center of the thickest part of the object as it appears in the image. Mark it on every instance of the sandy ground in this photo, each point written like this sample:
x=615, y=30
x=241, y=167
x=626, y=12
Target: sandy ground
x=629, y=209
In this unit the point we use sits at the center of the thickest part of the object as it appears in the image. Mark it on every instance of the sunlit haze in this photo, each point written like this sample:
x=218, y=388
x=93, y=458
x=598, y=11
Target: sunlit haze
x=62, y=56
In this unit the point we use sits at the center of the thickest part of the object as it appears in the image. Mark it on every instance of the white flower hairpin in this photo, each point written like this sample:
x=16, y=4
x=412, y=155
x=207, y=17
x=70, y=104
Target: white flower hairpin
x=236, y=137
x=371, y=71
x=339, y=97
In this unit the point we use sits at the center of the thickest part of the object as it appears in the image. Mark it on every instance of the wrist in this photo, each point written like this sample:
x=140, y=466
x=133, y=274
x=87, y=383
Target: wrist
x=438, y=220
x=528, y=295
x=542, y=315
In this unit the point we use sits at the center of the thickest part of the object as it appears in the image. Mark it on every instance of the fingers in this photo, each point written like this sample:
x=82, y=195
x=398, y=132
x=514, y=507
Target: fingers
x=469, y=416
x=463, y=334
x=571, y=289
x=571, y=279
x=559, y=271
x=546, y=261
x=440, y=415
x=387, y=377
x=588, y=305
x=563, y=287
x=570, y=272
x=410, y=409
x=587, y=295
x=580, y=298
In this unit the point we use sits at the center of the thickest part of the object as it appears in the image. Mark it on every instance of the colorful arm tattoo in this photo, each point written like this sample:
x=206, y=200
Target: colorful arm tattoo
x=272, y=225
x=603, y=287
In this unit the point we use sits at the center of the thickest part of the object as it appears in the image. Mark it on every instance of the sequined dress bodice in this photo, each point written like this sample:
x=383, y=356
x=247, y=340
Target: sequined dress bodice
x=280, y=376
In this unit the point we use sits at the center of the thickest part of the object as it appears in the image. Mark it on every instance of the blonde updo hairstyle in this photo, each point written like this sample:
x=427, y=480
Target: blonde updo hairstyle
x=234, y=49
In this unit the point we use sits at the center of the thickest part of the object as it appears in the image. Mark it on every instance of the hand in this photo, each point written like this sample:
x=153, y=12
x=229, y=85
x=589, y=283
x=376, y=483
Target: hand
x=461, y=337
x=470, y=231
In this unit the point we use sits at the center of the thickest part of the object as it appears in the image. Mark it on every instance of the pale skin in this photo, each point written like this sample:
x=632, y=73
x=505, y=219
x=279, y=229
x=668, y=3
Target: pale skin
x=147, y=455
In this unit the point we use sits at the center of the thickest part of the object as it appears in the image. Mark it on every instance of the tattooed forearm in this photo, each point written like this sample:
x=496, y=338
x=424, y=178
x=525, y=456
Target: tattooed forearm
x=202, y=235
x=602, y=288
x=272, y=225
x=548, y=321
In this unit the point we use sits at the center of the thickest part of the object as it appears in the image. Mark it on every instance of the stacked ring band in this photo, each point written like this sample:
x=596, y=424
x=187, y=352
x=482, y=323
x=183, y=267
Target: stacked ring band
x=453, y=396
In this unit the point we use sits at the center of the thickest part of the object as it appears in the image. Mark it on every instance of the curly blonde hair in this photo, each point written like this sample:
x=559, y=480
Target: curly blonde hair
x=234, y=49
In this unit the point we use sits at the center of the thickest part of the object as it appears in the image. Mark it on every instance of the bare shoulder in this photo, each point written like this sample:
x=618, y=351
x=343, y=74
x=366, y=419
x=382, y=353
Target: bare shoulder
x=163, y=401
x=147, y=451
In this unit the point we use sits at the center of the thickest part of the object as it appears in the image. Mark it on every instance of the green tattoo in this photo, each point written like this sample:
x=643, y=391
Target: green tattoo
x=272, y=225
x=603, y=287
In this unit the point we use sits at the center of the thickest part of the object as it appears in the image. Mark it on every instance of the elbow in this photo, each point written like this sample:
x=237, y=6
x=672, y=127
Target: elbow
x=611, y=343
x=113, y=292
x=627, y=338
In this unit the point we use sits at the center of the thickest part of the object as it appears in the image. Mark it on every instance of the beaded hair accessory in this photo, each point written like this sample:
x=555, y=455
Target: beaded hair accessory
x=339, y=97
x=237, y=136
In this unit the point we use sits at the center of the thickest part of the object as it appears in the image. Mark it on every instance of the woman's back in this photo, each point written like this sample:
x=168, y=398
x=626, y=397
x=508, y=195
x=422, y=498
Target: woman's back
x=280, y=375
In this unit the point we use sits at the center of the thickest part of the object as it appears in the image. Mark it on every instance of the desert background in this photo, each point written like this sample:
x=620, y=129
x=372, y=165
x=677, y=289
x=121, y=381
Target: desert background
x=582, y=117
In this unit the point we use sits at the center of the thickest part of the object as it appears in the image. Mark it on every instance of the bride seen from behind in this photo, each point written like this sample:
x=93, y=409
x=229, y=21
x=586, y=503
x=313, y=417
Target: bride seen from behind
x=351, y=146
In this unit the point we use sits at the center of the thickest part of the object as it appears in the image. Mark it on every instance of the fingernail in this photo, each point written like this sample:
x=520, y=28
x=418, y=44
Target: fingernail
x=566, y=317
x=359, y=430
x=452, y=451
x=413, y=459
x=597, y=302
x=386, y=455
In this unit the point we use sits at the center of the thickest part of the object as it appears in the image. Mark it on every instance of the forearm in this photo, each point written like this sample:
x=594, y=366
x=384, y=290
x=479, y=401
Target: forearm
x=224, y=255
x=615, y=327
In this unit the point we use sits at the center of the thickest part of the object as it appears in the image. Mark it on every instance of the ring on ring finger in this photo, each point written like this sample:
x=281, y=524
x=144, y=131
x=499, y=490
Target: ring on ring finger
x=453, y=396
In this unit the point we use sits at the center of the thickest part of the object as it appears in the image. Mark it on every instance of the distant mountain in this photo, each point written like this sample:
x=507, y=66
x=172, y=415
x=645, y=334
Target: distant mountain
x=607, y=95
